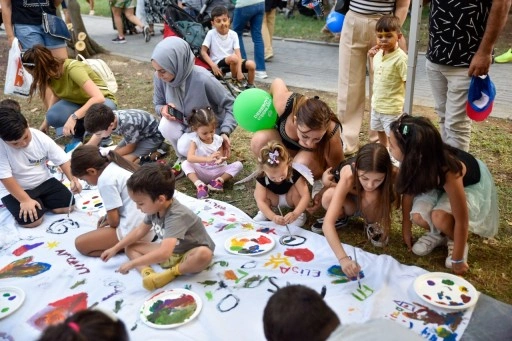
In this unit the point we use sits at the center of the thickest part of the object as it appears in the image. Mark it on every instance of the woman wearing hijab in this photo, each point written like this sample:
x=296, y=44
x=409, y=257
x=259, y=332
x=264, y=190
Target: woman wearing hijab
x=179, y=87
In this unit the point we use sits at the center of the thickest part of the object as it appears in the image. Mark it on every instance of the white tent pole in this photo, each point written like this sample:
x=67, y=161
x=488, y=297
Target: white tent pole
x=412, y=48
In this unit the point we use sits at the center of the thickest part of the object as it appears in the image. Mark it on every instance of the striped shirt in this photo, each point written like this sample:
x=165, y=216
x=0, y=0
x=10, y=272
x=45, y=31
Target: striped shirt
x=368, y=7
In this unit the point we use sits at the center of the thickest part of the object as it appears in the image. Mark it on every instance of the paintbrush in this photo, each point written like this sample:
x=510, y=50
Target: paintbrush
x=70, y=202
x=358, y=277
x=287, y=228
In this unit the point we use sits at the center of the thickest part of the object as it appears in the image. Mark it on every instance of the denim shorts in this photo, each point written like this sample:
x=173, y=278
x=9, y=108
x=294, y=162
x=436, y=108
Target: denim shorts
x=30, y=35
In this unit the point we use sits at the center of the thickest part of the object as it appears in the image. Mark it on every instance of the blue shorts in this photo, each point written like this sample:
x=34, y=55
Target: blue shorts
x=30, y=35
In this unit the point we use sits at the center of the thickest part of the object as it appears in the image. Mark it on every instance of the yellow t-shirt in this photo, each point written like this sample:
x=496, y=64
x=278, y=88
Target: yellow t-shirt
x=389, y=76
x=69, y=86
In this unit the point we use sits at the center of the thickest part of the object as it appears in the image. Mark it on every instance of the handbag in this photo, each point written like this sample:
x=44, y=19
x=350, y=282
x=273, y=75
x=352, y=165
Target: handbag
x=54, y=26
x=342, y=6
x=17, y=79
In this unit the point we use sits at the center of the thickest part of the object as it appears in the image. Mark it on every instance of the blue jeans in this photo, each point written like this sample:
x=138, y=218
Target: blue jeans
x=254, y=15
x=59, y=113
x=30, y=35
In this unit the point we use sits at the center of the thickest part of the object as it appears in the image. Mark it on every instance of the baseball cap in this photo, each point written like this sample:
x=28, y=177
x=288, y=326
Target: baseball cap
x=481, y=96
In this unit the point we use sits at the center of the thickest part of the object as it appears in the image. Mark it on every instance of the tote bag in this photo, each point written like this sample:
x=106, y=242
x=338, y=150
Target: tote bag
x=17, y=79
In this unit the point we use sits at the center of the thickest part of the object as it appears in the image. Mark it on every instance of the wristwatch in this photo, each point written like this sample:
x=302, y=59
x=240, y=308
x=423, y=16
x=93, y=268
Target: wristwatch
x=73, y=116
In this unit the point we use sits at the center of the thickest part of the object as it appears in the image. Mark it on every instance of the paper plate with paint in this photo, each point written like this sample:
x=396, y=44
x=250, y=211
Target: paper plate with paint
x=170, y=308
x=89, y=202
x=446, y=291
x=11, y=298
x=250, y=243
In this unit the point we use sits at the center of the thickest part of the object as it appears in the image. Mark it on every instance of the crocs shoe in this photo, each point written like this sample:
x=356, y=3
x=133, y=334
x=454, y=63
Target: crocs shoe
x=448, y=261
x=301, y=220
x=74, y=144
x=216, y=186
x=260, y=217
x=318, y=224
x=427, y=243
x=202, y=192
x=176, y=170
x=504, y=58
x=375, y=235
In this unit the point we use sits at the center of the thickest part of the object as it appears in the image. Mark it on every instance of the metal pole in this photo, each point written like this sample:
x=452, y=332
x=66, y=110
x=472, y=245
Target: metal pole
x=412, y=48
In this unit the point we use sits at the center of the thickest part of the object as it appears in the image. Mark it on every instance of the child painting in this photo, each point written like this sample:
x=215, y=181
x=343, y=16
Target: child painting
x=446, y=191
x=279, y=184
x=110, y=172
x=183, y=245
x=27, y=188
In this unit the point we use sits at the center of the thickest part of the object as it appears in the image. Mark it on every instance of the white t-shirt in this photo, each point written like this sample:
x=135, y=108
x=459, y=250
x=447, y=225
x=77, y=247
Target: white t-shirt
x=204, y=149
x=221, y=46
x=114, y=192
x=28, y=165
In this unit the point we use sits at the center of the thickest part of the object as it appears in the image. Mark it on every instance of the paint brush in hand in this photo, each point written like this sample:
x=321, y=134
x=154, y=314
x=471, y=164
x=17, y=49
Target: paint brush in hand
x=358, y=277
x=287, y=228
x=70, y=203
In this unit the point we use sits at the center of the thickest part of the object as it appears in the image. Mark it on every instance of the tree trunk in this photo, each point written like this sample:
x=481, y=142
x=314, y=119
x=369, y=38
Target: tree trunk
x=91, y=47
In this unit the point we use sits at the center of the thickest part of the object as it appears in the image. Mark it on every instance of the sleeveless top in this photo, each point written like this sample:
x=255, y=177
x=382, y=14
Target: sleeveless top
x=281, y=188
x=281, y=123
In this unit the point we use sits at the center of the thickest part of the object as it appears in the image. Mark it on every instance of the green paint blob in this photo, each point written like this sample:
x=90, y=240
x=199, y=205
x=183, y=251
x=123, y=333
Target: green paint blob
x=447, y=282
x=7, y=294
x=172, y=316
x=4, y=310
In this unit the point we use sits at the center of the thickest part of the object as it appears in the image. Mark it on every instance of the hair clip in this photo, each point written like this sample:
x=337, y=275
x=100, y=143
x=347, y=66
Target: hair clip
x=405, y=130
x=74, y=326
x=104, y=152
x=273, y=157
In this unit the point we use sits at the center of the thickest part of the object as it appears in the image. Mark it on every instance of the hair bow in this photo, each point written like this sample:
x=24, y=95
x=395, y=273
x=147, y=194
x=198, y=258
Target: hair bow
x=273, y=157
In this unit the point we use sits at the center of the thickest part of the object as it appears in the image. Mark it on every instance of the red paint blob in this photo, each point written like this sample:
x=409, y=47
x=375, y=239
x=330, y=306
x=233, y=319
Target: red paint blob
x=301, y=255
x=465, y=298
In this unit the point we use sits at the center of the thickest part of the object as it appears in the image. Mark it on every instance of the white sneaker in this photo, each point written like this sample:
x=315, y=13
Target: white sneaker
x=261, y=74
x=300, y=221
x=427, y=243
x=260, y=217
x=448, y=261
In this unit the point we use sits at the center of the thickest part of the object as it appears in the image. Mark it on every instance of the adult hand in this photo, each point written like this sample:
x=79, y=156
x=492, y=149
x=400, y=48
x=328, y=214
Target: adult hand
x=317, y=202
x=327, y=177
x=44, y=127
x=165, y=112
x=69, y=126
x=349, y=267
x=226, y=145
x=28, y=210
x=480, y=64
x=102, y=222
x=460, y=268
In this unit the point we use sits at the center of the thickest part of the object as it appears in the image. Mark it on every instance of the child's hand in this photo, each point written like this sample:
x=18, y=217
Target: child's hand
x=327, y=177
x=279, y=220
x=216, y=70
x=316, y=203
x=102, y=222
x=124, y=268
x=107, y=254
x=349, y=267
x=460, y=268
x=373, y=51
x=407, y=236
x=75, y=186
x=28, y=210
x=290, y=217
x=220, y=160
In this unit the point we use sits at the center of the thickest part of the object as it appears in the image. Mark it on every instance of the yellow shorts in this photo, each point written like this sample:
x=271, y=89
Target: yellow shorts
x=175, y=258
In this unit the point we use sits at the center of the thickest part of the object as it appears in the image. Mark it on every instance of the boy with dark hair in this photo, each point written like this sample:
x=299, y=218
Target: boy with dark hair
x=389, y=76
x=10, y=103
x=138, y=128
x=184, y=246
x=221, y=48
x=27, y=188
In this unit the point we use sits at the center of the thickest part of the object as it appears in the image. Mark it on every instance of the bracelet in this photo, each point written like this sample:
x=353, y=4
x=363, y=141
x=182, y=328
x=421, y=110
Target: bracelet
x=342, y=258
x=457, y=261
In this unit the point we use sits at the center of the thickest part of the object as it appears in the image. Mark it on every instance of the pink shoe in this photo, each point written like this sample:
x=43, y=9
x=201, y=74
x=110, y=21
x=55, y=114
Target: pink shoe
x=216, y=186
x=202, y=192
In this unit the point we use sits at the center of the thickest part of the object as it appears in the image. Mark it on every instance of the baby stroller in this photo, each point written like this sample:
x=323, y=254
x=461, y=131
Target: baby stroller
x=181, y=24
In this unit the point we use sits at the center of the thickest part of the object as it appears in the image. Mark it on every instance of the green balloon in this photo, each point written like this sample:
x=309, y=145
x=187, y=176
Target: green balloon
x=254, y=110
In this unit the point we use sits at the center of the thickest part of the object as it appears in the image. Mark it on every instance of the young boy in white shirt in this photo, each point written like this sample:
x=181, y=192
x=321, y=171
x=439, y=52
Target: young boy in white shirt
x=221, y=48
x=27, y=188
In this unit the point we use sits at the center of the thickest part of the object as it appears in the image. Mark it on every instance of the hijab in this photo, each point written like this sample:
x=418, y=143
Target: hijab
x=175, y=56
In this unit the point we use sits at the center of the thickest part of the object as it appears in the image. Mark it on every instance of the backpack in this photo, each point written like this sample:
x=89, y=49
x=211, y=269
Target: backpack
x=103, y=70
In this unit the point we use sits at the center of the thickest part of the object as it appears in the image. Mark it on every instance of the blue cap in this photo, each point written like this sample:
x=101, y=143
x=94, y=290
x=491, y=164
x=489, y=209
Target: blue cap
x=481, y=96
